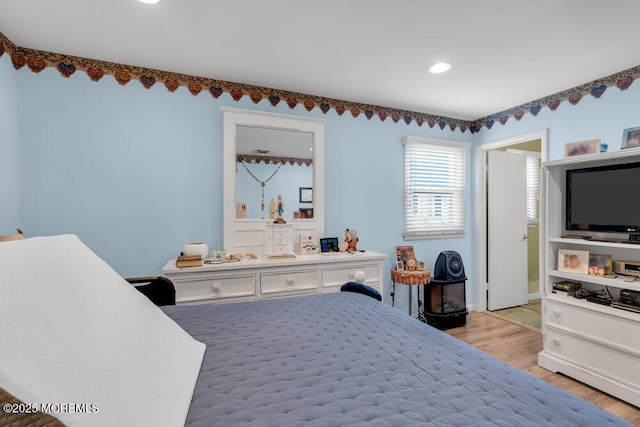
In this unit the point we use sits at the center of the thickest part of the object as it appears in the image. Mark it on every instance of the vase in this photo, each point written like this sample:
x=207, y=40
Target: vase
x=196, y=248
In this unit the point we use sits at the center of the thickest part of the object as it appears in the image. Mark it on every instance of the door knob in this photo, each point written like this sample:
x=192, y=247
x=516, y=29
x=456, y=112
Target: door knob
x=525, y=236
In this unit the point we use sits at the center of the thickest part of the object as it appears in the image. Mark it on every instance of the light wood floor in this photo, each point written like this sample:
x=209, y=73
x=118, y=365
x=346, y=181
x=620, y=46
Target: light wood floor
x=519, y=347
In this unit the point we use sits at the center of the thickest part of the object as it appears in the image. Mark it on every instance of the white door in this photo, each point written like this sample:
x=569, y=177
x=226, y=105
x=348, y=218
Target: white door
x=507, y=230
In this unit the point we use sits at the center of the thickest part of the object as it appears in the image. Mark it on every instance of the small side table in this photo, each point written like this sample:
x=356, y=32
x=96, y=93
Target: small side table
x=410, y=278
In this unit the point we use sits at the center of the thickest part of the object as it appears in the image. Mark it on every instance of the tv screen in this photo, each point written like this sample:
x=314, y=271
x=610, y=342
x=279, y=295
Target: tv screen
x=604, y=199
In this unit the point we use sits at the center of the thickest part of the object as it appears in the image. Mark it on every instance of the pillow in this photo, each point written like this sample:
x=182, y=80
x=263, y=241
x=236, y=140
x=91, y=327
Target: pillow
x=361, y=288
x=75, y=332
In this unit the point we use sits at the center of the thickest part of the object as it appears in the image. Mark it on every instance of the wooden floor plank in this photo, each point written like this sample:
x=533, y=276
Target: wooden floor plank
x=519, y=347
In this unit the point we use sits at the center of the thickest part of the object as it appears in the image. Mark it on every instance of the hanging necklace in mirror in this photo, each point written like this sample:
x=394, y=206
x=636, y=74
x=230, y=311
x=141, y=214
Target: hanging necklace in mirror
x=262, y=183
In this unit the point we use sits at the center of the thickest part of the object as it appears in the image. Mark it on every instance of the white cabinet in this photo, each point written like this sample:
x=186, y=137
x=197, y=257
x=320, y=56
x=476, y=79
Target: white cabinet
x=278, y=238
x=596, y=344
x=250, y=280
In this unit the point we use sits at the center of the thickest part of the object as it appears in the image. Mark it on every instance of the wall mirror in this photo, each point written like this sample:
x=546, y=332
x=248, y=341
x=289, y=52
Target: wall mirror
x=267, y=156
x=273, y=164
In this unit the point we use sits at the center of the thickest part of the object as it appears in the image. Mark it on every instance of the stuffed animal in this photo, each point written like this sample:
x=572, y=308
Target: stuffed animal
x=351, y=240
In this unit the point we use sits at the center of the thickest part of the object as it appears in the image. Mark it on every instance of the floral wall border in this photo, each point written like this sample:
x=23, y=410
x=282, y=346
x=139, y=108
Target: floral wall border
x=597, y=88
x=67, y=65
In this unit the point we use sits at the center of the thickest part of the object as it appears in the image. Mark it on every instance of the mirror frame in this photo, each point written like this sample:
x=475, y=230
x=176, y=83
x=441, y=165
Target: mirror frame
x=247, y=235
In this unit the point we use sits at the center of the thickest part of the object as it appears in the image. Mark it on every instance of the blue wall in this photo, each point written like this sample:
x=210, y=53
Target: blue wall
x=9, y=160
x=137, y=173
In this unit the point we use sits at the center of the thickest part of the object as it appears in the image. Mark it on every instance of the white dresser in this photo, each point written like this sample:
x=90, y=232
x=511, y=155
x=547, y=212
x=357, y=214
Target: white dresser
x=250, y=280
x=598, y=345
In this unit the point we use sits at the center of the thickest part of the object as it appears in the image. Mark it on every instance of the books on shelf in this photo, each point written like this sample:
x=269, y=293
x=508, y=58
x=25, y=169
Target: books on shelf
x=185, y=261
x=566, y=288
x=563, y=293
x=567, y=285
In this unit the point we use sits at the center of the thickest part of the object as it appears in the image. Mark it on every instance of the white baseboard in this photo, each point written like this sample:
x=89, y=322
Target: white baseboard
x=537, y=295
x=471, y=307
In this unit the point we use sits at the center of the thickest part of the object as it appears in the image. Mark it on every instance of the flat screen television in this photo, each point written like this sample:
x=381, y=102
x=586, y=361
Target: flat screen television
x=604, y=199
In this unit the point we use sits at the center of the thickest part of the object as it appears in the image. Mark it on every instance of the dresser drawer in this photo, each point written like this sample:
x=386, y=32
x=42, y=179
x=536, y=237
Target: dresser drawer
x=338, y=276
x=305, y=281
x=234, y=288
x=599, y=326
x=611, y=362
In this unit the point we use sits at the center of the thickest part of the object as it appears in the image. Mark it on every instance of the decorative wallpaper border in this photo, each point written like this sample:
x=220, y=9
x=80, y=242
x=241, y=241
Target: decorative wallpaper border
x=67, y=65
x=254, y=158
x=37, y=61
x=597, y=88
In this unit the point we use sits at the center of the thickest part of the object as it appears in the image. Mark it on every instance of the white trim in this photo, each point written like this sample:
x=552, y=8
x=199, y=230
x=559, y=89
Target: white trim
x=537, y=295
x=480, y=217
x=247, y=235
x=471, y=307
x=438, y=142
x=268, y=114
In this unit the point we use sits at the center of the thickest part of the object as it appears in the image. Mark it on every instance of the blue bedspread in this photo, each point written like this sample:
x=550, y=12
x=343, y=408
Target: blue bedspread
x=345, y=359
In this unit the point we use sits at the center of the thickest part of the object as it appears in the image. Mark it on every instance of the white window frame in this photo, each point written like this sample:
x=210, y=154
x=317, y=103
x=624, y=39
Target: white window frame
x=457, y=192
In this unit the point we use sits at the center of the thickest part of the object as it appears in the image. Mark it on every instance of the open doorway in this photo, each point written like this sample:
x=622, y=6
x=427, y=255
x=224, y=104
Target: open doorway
x=509, y=264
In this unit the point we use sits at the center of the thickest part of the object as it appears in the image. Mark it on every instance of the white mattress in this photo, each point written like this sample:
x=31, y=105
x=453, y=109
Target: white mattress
x=78, y=337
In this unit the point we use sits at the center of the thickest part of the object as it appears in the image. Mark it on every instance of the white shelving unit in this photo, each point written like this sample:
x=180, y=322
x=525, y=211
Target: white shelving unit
x=596, y=344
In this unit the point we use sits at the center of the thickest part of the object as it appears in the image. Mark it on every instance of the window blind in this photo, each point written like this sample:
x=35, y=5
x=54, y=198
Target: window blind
x=434, y=188
x=533, y=188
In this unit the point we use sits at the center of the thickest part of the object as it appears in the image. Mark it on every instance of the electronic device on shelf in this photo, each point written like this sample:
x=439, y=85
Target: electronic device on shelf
x=329, y=246
x=618, y=214
x=599, y=300
x=628, y=296
x=583, y=293
x=623, y=306
x=627, y=268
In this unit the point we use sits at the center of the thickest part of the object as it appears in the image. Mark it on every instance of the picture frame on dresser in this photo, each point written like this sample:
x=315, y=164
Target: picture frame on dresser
x=573, y=261
x=600, y=265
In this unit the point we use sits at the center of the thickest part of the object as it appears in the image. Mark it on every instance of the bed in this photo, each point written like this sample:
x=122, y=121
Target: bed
x=326, y=360
x=346, y=359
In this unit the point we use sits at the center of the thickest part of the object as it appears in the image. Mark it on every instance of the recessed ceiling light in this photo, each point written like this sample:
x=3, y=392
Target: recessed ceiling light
x=440, y=67
x=149, y=1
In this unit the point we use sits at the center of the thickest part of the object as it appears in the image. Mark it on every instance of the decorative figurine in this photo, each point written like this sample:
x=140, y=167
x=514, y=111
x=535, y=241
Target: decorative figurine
x=272, y=209
x=351, y=239
x=280, y=206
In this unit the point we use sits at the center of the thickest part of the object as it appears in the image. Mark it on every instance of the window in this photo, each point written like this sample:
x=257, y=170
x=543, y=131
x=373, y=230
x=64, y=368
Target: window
x=533, y=188
x=434, y=188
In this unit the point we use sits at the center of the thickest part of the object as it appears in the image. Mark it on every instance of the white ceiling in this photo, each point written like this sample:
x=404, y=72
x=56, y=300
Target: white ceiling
x=504, y=52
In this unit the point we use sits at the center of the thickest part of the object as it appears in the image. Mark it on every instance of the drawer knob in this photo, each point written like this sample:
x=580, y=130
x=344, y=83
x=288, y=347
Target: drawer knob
x=556, y=312
x=359, y=276
x=290, y=281
x=215, y=288
x=555, y=341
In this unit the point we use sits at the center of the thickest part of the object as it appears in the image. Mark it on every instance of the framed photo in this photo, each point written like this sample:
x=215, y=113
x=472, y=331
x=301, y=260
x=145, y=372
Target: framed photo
x=576, y=262
x=411, y=264
x=600, y=265
x=308, y=243
x=582, y=148
x=306, y=195
x=399, y=265
x=631, y=138
x=421, y=266
x=403, y=253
